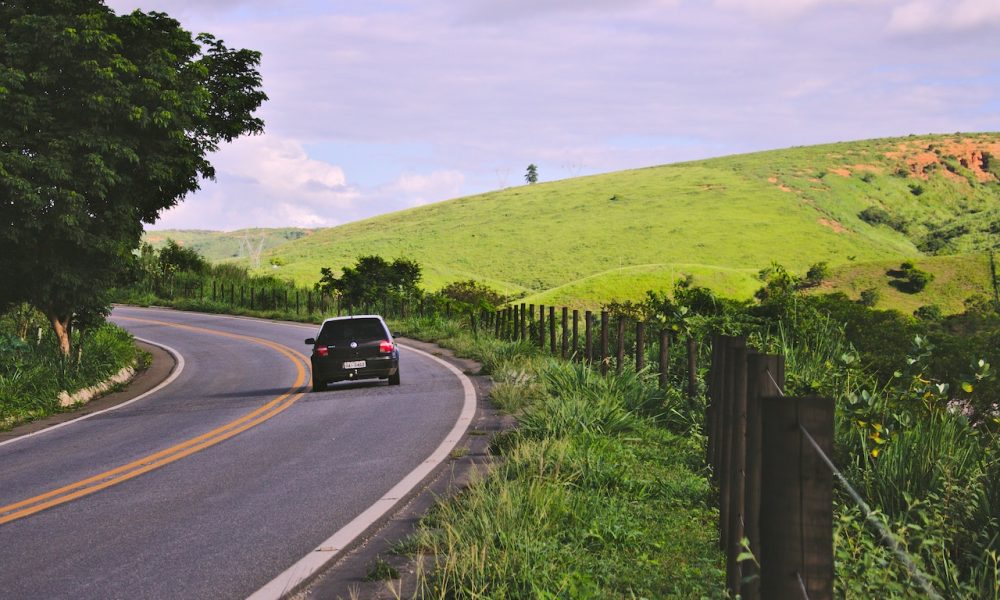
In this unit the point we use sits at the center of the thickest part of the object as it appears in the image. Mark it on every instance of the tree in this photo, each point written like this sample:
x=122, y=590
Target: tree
x=176, y=258
x=473, y=294
x=531, y=176
x=105, y=121
x=371, y=280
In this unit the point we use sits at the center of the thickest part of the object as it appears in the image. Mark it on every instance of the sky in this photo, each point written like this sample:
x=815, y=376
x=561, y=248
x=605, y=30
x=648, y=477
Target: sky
x=381, y=105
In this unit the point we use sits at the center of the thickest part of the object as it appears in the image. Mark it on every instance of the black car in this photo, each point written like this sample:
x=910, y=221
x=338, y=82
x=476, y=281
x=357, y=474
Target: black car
x=357, y=347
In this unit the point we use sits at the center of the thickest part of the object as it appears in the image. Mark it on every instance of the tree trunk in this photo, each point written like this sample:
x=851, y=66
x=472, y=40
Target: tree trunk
x=60, y=324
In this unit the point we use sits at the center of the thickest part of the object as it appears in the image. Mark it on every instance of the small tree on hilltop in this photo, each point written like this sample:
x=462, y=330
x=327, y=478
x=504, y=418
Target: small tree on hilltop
x=531, y=176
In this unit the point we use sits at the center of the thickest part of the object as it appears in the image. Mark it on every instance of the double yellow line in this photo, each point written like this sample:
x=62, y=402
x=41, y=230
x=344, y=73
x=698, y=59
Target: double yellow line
x=84, y=487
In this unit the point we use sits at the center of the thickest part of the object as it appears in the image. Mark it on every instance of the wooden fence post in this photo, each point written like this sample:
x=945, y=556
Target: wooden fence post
x=531, y=323
x=664, y=357
x=524, y=323
x=541, y=326
x=620, y=365
x=576, y=335
x=796, y=518
x=640, y=346
x=604, y=342
x=765, y=377
x=731, y=346
x=736, y=471
x=565, y=332
x=552, y=329
x=588, y=325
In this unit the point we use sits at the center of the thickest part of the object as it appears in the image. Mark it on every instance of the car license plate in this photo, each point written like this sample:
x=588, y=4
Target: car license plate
x=355, y=364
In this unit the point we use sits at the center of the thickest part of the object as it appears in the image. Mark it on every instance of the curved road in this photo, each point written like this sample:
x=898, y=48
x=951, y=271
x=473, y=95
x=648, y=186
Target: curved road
x=221, y=481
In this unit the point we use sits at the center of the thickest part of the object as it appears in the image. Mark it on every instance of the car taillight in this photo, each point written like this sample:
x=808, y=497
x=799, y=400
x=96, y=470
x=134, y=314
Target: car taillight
x=385, y=347
x=322, y=351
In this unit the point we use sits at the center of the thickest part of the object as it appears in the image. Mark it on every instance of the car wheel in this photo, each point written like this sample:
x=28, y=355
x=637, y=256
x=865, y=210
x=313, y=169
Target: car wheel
x=318, y=386
x=394, y=379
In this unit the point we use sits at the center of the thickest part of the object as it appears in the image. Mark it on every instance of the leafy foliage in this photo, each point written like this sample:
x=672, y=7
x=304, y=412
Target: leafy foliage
x=105, y=121
x=373, y=279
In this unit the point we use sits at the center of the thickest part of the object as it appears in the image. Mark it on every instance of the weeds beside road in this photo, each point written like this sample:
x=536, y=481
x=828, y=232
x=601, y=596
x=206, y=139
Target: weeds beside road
x=33, y=372
x=601, y=491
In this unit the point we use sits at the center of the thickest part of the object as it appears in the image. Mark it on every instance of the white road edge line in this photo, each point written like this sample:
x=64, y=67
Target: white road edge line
x=178, y=367
x=329, y=549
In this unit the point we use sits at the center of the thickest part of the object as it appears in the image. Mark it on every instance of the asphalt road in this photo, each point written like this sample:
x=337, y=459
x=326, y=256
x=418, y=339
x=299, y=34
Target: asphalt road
x=222, y=480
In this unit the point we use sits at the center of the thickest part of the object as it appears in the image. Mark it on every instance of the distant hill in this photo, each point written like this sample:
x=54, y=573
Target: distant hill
x=587, y=240
x=218, y=246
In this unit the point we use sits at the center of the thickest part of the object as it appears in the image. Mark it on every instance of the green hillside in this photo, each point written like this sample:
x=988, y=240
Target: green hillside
x=220, y=246
x=586, y=240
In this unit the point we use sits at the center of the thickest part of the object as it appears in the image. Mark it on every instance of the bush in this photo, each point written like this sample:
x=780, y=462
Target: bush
x=874, y=215
x=869, y=297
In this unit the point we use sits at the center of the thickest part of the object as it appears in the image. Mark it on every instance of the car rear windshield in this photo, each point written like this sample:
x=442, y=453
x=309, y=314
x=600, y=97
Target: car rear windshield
x=352, y=329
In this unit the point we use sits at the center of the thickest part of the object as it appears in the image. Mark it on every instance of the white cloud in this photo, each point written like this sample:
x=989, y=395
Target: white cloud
x=413, y=189
x=787, y=8
x=925, y=16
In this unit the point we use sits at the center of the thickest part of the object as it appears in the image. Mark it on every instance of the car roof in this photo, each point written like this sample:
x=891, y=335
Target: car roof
x=352, y=317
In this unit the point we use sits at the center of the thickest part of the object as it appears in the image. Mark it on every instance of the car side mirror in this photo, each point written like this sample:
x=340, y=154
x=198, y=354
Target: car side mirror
x=311, y=341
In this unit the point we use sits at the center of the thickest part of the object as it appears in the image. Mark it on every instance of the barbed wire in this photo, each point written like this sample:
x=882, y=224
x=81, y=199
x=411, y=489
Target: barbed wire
x=887, y=536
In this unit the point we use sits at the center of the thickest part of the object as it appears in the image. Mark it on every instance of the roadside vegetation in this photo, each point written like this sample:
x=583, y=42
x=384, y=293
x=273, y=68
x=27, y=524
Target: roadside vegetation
x=601, y=491
x=603, y=488
x=34, y=371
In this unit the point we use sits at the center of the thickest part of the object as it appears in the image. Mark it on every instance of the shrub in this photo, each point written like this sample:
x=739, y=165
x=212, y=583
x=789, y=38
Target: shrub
x=869, y=297
x=909, y=279
x=874, y=215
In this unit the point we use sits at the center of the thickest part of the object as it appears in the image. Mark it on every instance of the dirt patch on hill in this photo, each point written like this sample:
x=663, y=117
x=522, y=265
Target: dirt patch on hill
x=922, y=159
x=836, y=226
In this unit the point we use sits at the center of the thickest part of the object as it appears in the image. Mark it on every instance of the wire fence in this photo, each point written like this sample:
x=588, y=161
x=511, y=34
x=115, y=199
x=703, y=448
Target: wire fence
x=776, y=500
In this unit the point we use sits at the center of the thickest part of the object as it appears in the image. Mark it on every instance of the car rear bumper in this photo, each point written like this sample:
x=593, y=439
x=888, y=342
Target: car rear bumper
x=331, y=369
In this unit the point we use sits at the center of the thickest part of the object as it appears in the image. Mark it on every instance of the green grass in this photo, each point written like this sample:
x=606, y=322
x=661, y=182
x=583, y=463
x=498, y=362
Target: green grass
x=956, y=278
x=220, y=246
x=33, y=372
x=581, y=241
x=597, y=495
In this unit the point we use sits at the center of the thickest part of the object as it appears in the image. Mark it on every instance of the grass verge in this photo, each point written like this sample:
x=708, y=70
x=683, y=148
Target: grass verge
x=601, y=491
x=33, y=372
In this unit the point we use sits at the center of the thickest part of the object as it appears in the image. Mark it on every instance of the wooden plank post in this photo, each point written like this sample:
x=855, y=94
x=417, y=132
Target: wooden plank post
x=604, y=342
x=664, y=357
x=765, y=377
x=541, y=326
x=737, y=465
x=588, y=326
x=564, y=349
x=576, y=335
x=620, y=364
x=496, y=323
x=796, y=519
x=731, y=346
x=640, y=346
x=515, y=332
x=531, y=322
x=552, y=329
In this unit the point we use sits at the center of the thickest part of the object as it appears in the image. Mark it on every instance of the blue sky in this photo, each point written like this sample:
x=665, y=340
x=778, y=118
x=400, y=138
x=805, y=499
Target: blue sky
x=382, y=105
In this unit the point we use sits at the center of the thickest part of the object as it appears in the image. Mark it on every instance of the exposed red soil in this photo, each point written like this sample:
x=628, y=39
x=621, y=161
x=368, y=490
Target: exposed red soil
x=834, y=225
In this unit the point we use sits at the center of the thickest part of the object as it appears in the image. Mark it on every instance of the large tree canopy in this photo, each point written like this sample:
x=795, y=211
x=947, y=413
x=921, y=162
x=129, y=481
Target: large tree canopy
x=372, y=280
x=105, y=121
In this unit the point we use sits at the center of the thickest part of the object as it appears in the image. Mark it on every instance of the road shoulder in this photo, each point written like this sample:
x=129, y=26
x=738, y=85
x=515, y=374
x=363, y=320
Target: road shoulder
x=346, y=576
x=160, y=367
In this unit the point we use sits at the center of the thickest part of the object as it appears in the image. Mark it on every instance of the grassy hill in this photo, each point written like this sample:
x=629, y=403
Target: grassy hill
x=586, y=240
x=218, y=246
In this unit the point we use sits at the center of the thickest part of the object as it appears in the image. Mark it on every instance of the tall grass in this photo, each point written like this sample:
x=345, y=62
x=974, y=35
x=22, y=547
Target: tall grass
x=593, y=497
x=34, y=372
